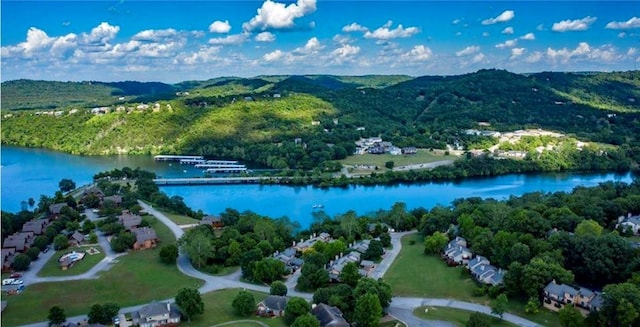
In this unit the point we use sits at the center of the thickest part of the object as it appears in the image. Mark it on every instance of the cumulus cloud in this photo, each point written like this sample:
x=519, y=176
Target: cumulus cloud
x=485, y=34
x=507, y=44
x=583, y=51
x=468, y=51
x=506, y=16
x=273, y=56
x=312, y=46
x=154, y=35
x=477, y=58
x=354, y=27
x=529, y=36
x=229, y=39
x=573, y=25
x=275, y=15
x=341, y=39
x=385, y=33
x=265, y=37
x=418, y=53
x=203, y=55
x=534, y=57
x=345, y=52
x=517, y=52
x=456, y=21
x=101, y=34
x=220, y=27
x=622, y=35
x=507, y=30
x=633, y=22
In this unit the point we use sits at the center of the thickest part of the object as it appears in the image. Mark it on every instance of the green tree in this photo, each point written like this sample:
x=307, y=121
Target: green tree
x=478, y=319
x=33, y=253
x=244, y=304
x=389, y=164
x=379, y=288
x=169, y=254
x=96, y=314
x=21, y=262
x=532, y=306
x=374, y=251
x=588, y=227
x=109, y=311
x=295, y=308
x=350, y=274
x=435, y=243
x=306, y=320
x=66, y=185
x=41, y=242
x=385, y=239
x=190, y=302
x=60, y=242
x=56, y=316
x=278, y=288
x=197, y=245
x=93, y=238
x=367, y=311
x=268, y=270
x=499, y=306
x=569, y=316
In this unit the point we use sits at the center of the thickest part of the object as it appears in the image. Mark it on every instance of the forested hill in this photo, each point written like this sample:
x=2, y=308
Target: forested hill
x=259, y=119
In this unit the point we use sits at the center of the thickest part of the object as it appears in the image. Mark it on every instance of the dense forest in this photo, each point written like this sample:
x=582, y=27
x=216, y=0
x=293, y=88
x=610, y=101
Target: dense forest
x=308, y=122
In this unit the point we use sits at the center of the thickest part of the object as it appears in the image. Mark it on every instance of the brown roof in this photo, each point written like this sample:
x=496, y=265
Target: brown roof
x=208, y=220
x=117, y=199
x=57, y=207
x=144, y=234
x=77, y=236
x=19, y=241
x=35, y=226
x=94, y=190
x=129, y=220
x=7, y=256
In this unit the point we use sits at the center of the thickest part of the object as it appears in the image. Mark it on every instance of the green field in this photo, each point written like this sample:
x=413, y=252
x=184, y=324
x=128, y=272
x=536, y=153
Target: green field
x=415, y=274
x=217, y=310
x=52, y=269
x=135, y=278
x=180, y=219
x=455, y=316
x=423, y=156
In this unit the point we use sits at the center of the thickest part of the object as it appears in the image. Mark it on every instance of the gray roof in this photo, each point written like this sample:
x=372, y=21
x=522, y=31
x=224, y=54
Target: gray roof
x=478, y=260
x=35, y=226
x=275, y=302
x=289, y=252
x=329, y=316
x=559, y=290
x=596, y=302
x=498, y=277
x=57, y=207
x=129, y=220
x=78, y=237
x=208, y=220
x=156, y=309
x=117, y=199
x=144, y=234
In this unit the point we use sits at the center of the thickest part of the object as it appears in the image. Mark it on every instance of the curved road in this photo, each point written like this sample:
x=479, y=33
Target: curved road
x=401, y=307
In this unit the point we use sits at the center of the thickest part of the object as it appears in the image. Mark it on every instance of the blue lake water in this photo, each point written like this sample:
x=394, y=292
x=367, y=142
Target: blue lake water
x=29, y=173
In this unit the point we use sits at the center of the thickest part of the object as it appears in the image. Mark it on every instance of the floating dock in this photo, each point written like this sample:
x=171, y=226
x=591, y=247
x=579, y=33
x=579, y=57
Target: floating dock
x=212, y=181
x=168, y=157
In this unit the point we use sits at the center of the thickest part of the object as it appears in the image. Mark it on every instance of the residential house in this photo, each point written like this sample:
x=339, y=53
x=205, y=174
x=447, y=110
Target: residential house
x=76, y=239
x=556, y=296
x=36, y=226
x=73, y=324
x=55, y=208
x=145, y=238
x=20, y=241
x=129, y=220
x=93, y=190
x=288, y=257
x=116, y=199
x=629, y=222
x=157, y=314
x=335, y=266
x=409, y=150
x=362, y=246
x=303, y=245
x=213, y=221
x=8, y=255
x=456, y=252
x=329, y=316
x=273, y=305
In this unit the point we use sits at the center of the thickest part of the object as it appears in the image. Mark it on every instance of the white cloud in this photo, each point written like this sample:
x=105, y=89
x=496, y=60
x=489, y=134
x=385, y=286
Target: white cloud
x=265, y=37
x=477, y=58
x=517, y=52
x=507, y=30
x=573, y=25
x=622, y=35
x=345, y=51
x=311, y=47
x=458, y=33
x=632, y=51
x=354, y=27
x=540, y=27
x=418, y=53
x=220, y=27
x=275, y=15
x=273, y=56
x=384, y=33
x=507, y=44
x=633, y=22
x=485, y=34
x=468, y=50
x=229, y=39
x=529, y=36
x=506, y=16
x=36, y=39
x=584, y=51
x=101, y=34
x=341, y=39
x=203, y=55
x=534, y=57
x=154, y=35
x=456, y=21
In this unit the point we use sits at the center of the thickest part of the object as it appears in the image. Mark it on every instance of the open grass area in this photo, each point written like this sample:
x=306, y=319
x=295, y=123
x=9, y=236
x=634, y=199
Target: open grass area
x=415, y=274
x=217, y=310
x=136, y=278
x=455, y=316
x=423, y=156
x=52, y=268
x=180, y=219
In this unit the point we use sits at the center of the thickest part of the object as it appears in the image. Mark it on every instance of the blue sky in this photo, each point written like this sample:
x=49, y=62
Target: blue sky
x=173, y=41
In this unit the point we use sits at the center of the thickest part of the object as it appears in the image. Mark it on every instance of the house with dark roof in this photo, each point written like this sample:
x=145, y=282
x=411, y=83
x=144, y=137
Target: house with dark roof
x=55, y=208
x=156, y=314
x=329, y=316
x=76, y=239
x=129, y=221
x=629, y=222
x=116, y=199
x=8, y=255
x=37, y=226
x=145, y=238
x=556, y=296
x=213, y=221
x=20, y=241
x=273, y=305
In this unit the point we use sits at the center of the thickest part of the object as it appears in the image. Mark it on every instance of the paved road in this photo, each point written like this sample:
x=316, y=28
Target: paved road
x=429, y=165
x=400, y=307
x=391, y=255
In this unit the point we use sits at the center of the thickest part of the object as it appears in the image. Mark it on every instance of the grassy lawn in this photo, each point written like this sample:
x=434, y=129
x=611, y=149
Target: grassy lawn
x=52, y=269
x=138, y=277
x=217, y=310
x=635, y=238
x=415, y=274
x=180, y=219
x=455, y=316
x=423, y=156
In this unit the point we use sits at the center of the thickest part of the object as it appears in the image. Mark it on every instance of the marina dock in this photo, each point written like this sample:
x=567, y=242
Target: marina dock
x=168, y=157
x=213, y=181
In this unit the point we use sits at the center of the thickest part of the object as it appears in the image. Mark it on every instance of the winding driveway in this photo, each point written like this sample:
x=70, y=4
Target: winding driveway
x=400, y=307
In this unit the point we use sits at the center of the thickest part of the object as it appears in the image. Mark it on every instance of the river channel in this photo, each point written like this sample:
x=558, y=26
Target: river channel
x=29, y=173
